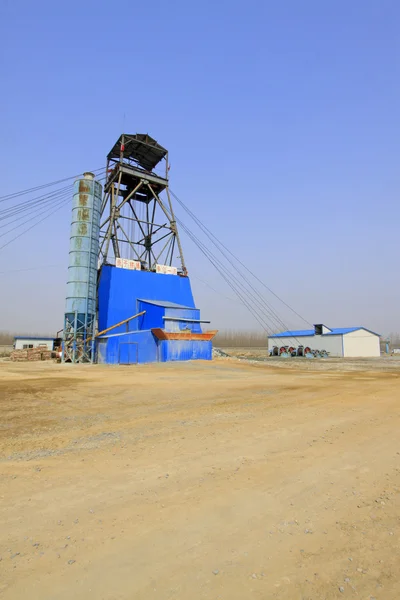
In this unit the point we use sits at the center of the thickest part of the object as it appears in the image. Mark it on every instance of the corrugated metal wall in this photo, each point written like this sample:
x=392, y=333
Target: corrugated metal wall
x=123, y=293
x=153, y=317
x=143, y=347
x=84, y=247
x=361, y=343
x=185, y=350
x=131, y=348
x=182, y=324
x=121, y=289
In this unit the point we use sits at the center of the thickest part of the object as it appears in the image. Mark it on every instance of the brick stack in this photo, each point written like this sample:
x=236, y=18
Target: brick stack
x=31, y=354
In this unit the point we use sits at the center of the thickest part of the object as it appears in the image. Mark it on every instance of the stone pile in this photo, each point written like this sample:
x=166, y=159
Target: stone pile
x=31, y=354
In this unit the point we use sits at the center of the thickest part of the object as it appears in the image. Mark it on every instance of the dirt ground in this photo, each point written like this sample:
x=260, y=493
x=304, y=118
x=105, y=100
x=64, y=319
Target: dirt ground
x=226, y=480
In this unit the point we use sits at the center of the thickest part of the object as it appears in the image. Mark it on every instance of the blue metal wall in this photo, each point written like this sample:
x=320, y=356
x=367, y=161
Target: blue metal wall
x=143, y=347
x=186, y=322
x=153, y=316
x=185, y=350
x=123, y=293
x=120, y=290
x=137, y=347
x=157, y=315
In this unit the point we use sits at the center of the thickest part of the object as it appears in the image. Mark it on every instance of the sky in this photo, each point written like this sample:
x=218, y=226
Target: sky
x=282, y=125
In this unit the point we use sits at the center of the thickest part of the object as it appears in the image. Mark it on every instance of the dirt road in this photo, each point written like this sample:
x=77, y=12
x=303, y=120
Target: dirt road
x=197, y=481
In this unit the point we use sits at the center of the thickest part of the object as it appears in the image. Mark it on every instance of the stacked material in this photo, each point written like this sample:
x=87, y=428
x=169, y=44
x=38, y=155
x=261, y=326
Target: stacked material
x=31, y=354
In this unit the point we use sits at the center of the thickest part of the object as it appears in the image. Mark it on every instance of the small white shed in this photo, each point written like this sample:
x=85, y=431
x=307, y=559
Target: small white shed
x=26, y=342
x=342, y=342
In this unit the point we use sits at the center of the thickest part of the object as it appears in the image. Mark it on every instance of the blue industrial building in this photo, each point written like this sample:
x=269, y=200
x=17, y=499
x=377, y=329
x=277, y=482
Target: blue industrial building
x=127, y=302
x=169, y=325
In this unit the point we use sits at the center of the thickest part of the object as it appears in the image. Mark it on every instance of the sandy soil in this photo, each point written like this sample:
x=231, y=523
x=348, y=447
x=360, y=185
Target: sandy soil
x=226, y=480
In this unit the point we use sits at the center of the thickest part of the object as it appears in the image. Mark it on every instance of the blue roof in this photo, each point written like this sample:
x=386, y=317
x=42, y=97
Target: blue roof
x=311, y=332
x=341, y=330
x=166, y=304
x=298, y=333
x=35, y=337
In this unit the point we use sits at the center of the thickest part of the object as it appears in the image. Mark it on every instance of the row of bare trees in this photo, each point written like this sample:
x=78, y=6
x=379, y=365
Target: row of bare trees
x=7, y=338
x=240, y=339
x=251, y=339
x=394, y=341
x=229, y=338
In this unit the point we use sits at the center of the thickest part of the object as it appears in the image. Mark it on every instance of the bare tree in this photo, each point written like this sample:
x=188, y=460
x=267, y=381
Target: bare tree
x=240, y=339
x=7, y=337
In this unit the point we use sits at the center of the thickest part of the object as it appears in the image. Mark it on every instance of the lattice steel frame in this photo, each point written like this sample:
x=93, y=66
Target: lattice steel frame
x=128, y=183
x=79, y=338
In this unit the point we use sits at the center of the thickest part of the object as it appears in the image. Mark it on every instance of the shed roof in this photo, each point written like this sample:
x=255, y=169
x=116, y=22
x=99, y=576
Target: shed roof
x=297, y=333
x=140, y=147
x=311, y=332
x=27, y=337
x=166, y=304
x=342, y=330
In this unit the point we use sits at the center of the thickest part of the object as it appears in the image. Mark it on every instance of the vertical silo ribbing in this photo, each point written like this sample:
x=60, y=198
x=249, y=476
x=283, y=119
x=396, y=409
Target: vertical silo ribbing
x=80, y=310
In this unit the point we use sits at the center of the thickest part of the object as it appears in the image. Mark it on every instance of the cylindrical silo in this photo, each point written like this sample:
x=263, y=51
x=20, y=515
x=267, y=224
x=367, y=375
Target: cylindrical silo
x=80, y=310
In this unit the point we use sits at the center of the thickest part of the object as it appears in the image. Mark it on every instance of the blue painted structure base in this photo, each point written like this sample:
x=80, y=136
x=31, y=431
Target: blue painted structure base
x=185, y=350
x=168, y=304
x=143, y=347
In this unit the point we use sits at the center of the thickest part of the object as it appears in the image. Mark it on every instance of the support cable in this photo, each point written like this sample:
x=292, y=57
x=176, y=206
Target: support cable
x=211, y=288
x=41, y=211
x=34, y=225
x=24, y=206
x=31, y=207
x=196, y=219
x=40, y=187
x=31, y=269
x=229, y=277
x=22, y=214
x=218, y=245
x=261, y=302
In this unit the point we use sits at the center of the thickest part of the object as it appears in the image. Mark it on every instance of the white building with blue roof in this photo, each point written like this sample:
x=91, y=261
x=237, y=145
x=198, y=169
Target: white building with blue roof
x=340, y=342
x=23, y=342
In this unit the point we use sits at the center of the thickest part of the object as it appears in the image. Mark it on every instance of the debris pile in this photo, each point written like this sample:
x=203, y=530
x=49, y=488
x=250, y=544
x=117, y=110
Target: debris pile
x=218, y=353
x=32, y=354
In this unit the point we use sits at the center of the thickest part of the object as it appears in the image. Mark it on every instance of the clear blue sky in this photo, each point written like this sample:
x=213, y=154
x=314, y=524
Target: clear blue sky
x=282, y=122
